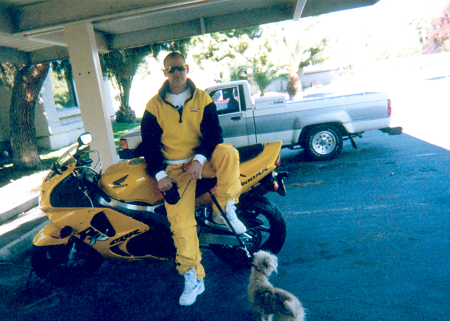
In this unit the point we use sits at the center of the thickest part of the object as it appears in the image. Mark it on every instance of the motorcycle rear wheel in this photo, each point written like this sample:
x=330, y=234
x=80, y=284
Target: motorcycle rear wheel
x=264, y=223
x=51, y=263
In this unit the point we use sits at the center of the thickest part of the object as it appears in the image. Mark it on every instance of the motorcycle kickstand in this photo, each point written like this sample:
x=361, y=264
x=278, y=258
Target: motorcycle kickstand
x=229, y=224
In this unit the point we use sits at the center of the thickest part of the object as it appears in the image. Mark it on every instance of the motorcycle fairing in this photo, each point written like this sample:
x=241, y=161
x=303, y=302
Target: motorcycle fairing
x=129, y=182
x=49, y=184
x=49, y=236
x=124, y=229
x=253, y=171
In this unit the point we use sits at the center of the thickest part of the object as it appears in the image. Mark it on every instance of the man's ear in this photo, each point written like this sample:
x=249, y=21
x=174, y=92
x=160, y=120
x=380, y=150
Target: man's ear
x=165, y=73
x=187, y=69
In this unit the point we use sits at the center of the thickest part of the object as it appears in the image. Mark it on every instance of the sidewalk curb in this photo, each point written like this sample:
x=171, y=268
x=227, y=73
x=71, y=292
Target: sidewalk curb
x=28, y=205
x=16, y=249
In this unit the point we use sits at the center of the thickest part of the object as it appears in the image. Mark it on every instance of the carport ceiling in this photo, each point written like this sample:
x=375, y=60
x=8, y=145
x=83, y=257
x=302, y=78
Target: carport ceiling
x=32, y=31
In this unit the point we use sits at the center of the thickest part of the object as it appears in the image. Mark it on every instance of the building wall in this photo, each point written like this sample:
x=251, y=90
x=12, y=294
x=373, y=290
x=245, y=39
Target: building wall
x=55, y=128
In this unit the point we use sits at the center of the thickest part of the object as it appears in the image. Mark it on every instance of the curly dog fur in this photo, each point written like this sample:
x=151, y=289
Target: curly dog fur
x=267, y=300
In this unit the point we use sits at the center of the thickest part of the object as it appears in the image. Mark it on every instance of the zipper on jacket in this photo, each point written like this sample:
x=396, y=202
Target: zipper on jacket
x=179, y=108
x=180, y=111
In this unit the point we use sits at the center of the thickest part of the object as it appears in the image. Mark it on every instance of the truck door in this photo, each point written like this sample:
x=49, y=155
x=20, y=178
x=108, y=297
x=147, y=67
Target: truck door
x=233, y=115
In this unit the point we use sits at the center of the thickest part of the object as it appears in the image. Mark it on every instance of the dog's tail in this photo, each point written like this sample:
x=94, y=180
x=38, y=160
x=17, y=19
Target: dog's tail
x=295, y=310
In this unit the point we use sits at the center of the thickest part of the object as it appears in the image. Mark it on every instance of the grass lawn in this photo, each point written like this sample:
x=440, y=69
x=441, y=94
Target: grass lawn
x=120, y=128
x=9, y=174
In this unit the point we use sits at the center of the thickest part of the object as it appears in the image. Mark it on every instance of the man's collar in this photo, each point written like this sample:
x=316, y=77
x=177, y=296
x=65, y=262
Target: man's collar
x=165, y=88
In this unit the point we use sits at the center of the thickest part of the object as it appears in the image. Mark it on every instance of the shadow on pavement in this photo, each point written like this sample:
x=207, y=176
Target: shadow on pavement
x=126, y=292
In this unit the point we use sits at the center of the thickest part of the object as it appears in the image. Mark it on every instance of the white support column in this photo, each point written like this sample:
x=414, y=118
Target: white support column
x=299, y=9
x=88, y=78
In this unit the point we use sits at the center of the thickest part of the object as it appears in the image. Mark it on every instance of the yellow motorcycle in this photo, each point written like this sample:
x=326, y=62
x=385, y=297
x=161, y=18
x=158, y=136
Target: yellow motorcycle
x=119, y=215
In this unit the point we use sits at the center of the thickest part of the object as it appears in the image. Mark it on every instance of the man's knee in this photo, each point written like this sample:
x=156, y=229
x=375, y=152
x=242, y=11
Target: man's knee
x=225, y=152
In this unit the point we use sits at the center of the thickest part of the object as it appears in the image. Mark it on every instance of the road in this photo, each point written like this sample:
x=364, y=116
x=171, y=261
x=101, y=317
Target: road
x=370, y=232
x=368, y=239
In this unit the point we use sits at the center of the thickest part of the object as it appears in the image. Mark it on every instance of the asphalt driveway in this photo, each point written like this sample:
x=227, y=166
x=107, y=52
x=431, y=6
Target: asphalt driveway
x=368, y=239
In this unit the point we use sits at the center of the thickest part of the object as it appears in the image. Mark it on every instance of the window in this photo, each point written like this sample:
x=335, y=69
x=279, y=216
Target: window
x=226, y=100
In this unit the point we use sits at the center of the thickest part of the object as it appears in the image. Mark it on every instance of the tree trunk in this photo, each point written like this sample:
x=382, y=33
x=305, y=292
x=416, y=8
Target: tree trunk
x=27, y=85
x=125, y=84
x=294, y=87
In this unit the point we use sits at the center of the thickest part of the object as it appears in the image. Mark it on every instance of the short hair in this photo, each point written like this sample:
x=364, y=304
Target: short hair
x=173, y=54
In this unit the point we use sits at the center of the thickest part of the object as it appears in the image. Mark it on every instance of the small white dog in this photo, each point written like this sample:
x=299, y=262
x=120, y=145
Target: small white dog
x=267, y=300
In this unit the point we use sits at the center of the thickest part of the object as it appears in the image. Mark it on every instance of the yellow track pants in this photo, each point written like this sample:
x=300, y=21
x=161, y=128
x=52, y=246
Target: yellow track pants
x=224, y=165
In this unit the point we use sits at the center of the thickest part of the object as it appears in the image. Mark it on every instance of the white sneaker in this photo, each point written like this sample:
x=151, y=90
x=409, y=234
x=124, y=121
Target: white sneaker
x=192, y=288
x=230, y=209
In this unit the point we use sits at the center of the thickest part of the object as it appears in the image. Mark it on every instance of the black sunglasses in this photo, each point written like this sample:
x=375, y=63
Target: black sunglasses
x=180, y=68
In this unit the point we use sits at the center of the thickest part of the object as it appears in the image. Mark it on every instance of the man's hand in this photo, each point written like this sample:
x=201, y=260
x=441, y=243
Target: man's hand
x=194, y=169
x=165, y=184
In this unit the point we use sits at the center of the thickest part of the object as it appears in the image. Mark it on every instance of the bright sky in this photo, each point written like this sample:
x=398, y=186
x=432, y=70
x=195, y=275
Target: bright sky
x=411, y=8
x=386, y=18
x=389, y=10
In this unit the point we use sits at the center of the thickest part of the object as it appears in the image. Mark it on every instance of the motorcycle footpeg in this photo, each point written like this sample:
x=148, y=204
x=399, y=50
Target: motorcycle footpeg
x=223, y=228
x=214, y=225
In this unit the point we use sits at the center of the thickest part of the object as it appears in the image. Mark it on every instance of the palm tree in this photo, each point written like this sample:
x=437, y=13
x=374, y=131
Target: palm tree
x=121, y=66
x=264, y=73
x=293, y=50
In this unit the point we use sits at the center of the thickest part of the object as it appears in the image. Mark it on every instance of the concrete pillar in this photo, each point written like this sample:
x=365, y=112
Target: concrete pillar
x=109, y=102
x=90, y=90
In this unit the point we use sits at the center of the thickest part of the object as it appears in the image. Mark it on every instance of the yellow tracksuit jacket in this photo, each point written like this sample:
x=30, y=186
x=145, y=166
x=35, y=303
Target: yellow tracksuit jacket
x=171, y=134
x=168, y=133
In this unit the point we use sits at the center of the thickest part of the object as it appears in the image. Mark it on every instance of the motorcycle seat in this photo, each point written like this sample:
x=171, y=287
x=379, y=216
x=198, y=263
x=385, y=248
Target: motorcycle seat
x=246, y=153
x=249, y=152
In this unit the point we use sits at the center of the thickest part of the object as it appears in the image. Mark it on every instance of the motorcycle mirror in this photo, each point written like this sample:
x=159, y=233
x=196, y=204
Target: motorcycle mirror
x=84, y=139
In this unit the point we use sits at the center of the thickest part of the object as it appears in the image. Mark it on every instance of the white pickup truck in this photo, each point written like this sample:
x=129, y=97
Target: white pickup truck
x=317, y=124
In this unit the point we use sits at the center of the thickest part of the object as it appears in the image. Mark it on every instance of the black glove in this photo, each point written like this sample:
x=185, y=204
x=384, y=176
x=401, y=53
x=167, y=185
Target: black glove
x=172, y=196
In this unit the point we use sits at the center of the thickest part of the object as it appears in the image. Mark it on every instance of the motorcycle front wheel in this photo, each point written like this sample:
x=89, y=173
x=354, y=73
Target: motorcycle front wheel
x=58, y=266
x=265, y=224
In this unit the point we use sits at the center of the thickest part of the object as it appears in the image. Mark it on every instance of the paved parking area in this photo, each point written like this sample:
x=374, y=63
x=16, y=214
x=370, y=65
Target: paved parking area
x=368, y=239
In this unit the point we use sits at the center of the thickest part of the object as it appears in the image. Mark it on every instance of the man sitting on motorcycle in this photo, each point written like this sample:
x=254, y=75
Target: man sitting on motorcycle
x=183, y=142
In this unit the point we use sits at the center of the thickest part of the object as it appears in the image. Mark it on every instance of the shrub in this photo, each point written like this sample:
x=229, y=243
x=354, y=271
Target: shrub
x=125, y=115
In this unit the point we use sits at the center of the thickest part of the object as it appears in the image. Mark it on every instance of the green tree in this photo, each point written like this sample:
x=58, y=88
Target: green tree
x=63, y=70
x=25, y=82
x=316, y=54
x=439, y=34
x=122, y=65
x=293, y=53
x=224, y=52
x=238, y=73
x=218, y=46
x=264, y=72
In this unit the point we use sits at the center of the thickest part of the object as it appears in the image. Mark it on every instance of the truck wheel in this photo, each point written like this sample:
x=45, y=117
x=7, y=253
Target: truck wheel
x=323, y=142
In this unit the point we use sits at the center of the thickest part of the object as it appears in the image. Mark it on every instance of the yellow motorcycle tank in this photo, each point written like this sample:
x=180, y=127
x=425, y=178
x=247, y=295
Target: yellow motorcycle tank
x=129, y=182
